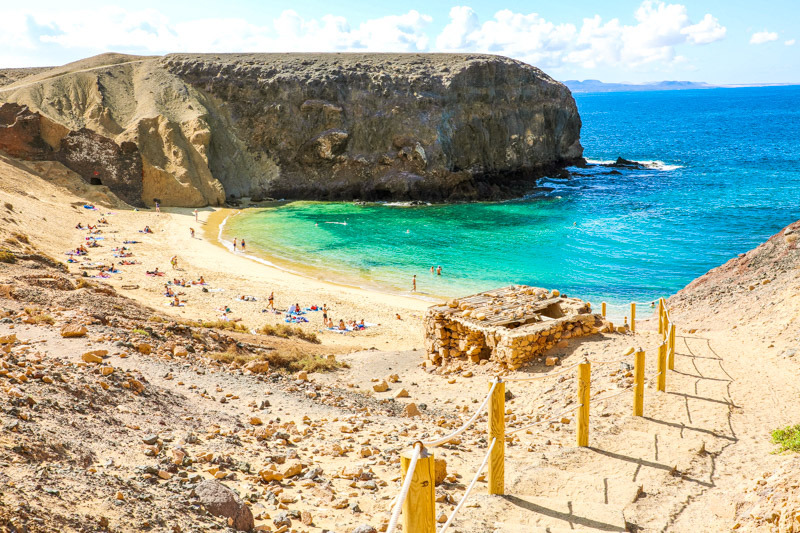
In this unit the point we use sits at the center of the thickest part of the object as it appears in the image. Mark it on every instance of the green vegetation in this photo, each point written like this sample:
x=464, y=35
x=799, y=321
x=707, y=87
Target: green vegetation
x=286, y=331
x=787, y=438
x=140, y=331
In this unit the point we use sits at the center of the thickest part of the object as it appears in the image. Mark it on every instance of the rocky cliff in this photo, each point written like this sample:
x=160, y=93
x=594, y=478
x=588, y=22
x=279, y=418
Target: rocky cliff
x=322, y=126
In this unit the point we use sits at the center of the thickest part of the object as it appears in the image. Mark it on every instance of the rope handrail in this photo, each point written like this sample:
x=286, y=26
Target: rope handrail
x=535, y=378
x=624, y=358
x=545, y=421
x=398, y=506
x=469, y=488
x=463, y=428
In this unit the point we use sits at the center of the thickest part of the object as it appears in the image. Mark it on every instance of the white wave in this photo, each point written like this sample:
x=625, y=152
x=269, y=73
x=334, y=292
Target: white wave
x=660, y=165
x=654, y=164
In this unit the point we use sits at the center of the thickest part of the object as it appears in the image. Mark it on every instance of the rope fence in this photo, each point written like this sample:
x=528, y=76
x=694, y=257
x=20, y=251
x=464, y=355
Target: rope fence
x=416, y=501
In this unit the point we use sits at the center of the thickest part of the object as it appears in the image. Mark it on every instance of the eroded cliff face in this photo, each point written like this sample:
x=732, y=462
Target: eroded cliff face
x=380, y=126
x=322, y=126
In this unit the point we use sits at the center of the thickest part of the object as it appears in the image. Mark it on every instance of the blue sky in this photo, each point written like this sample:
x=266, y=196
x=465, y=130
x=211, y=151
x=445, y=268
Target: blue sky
x=715, y=41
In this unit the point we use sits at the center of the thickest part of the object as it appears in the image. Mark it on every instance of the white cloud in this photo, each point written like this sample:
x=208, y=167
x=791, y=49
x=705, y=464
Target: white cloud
x=762, y=37
x=706, y=31
x=651, y=40
x=790, y=42
x=659, y=28
x=116, y=28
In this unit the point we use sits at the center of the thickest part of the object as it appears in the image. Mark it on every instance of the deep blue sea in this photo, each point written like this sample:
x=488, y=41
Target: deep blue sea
x=724, y=178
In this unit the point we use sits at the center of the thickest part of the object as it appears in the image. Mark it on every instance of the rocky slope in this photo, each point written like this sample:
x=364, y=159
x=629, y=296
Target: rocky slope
x=323, y=126
x=755, y=292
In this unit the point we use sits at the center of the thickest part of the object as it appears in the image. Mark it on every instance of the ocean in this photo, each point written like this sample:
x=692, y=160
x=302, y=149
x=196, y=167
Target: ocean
x=722, y=177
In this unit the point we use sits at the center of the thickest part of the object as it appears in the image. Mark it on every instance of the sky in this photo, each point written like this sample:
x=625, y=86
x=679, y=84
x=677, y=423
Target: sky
x=714, y=41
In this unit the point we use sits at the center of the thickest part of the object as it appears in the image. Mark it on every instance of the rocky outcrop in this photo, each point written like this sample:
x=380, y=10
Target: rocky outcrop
x=97, y=159
x=322, y=126
x=381, y=126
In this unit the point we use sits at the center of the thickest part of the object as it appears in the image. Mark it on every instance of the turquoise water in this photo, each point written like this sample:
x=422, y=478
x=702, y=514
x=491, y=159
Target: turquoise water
x=724, y=178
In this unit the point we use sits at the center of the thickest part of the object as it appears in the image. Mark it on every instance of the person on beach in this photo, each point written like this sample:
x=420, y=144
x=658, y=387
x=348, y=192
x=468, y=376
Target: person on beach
x=243, y=245
x=324, y=313
x=433, y=268
x=439, y=270
x=147, y=230
x=271, y=300
x=79, y=226
x=174, y=262
x=191, y=231
x=195, y=215
x=414, y=283
x=158, y=208
x=342, y=327
x=234, y=243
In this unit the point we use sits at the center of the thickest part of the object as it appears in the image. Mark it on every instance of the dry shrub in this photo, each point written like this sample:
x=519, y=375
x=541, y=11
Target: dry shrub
x=7, y=257
x=291, y=361
x=21, y=237
x=221, y=324
x=84, y=284
x=286, y=331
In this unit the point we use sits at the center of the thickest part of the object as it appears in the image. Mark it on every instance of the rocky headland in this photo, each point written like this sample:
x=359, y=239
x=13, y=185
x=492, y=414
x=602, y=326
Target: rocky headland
x=206, y=127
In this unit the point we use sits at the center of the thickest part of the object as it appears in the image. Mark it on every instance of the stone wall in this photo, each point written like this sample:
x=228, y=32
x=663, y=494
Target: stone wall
x=452, y=331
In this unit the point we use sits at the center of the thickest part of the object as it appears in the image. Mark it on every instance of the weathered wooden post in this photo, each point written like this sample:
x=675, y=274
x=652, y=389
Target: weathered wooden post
x=419, y=507
x=638, y=383
x=671, y=347
x=633, y=317
x=662, y=367
x=584, y=379
x=603, y=309
x=497, y=430
x=660, y=316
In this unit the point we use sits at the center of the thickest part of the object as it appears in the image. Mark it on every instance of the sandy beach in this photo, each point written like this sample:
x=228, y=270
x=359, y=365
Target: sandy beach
x=229, y=276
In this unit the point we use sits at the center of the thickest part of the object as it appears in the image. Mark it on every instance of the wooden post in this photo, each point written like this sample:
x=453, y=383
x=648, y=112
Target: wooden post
x=638, y=383
x=584, y=379
x=603, y=309
x=633, y=317
x=497, y=430
x=419, y=508
x=671, y=347
x=660, y=316
x=662, y=367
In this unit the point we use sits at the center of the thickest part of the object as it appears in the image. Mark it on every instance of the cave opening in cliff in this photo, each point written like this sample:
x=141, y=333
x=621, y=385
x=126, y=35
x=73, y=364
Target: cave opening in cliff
x=95, y=181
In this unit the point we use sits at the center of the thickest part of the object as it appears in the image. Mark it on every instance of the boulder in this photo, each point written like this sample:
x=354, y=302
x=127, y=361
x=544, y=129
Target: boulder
x=411, y=410
x=219, y=500
x=74, y=330
x=257, y=367
x=382, y=386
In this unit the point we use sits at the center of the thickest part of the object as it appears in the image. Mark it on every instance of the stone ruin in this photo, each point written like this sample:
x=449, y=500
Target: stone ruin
x=509, y=326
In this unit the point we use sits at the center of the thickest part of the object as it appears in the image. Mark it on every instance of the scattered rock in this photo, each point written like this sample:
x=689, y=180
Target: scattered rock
x=219, y=500
x=411, y=410
x=402, y=393
x=74, y=330
x=381, y=387
x=257, y=367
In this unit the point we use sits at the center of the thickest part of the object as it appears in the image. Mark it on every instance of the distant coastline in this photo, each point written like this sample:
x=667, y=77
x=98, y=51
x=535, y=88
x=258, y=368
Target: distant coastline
x=597, y=86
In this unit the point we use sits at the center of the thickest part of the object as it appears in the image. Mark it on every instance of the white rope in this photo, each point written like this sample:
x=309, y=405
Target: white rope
x=469, y=488
x=412, y=465
x=463, y=428
x=535, y=378
x=545, y=421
